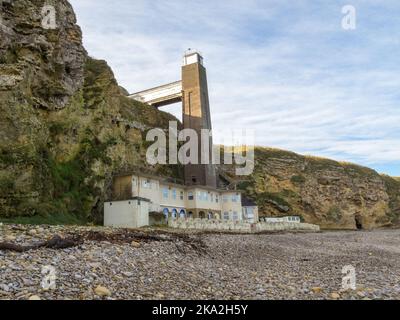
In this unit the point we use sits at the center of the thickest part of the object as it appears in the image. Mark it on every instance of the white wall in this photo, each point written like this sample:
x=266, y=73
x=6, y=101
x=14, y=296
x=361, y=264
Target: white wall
x=292, y=219
x=250, y=214
x=203, y=199
x=192, y=58
x=143, y=214
x=170, y=201
x=239, y=226
x=231, y=207
x=148, y=189
x=126, y=214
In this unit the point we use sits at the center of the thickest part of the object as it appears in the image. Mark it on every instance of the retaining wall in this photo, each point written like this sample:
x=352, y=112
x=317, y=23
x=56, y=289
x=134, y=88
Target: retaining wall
x=238, y=226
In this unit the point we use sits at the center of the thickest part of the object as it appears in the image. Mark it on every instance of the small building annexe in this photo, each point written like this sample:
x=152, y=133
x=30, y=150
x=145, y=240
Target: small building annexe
x=136, y=196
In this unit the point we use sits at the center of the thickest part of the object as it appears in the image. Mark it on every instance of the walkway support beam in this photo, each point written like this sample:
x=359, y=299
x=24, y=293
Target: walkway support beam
x=160, y=96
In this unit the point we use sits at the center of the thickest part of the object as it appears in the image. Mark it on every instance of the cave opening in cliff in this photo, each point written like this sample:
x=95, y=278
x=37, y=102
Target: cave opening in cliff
x=358, y=221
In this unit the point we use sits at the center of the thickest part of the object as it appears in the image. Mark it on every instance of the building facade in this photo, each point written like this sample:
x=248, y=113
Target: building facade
x=155, y=194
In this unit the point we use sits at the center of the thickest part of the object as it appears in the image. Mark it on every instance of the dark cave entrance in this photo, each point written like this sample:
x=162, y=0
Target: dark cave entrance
x=358, y=221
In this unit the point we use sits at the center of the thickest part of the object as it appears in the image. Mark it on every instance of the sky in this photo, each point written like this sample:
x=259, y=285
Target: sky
x=286, y=69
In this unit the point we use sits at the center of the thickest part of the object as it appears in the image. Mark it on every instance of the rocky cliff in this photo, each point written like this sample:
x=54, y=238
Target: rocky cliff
x=325, y=192
x=66, y=126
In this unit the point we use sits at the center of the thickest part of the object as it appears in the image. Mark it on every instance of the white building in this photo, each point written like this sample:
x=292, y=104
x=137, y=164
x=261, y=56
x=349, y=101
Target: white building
x=136, y=196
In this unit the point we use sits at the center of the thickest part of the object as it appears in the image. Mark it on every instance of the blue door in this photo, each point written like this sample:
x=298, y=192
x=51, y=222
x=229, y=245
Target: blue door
x=166, y=214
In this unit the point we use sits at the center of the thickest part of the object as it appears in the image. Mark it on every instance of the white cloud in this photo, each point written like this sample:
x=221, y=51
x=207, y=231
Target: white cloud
x=286, y=69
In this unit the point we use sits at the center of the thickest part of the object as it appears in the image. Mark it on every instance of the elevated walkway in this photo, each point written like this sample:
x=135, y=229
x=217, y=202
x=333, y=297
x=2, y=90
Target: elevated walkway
x=160, y=96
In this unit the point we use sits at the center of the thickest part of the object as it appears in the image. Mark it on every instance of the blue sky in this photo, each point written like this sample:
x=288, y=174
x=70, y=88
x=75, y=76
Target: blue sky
x=284, y=68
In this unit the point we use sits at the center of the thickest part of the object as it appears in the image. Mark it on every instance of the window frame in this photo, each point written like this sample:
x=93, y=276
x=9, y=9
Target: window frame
x=146, y=183
x=226, y=216
x=165, y=193
x=235, y=216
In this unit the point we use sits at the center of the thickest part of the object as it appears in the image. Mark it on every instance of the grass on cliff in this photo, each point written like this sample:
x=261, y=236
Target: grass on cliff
x=72, y=188
x=393, y=189
x=58, y=218
x=314, y=162
x=68, y=193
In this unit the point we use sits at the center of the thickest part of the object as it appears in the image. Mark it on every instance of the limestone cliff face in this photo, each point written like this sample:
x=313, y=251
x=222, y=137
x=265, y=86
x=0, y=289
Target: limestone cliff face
x=45, y=65
x=322, y=191
x=66, y=126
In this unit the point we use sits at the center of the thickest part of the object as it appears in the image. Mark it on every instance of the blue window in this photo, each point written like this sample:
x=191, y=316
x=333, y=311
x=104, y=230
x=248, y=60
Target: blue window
x=190, y=195
x=174, y=194
x=235, y=216
x=235, y=198
x=250, y=213
x=165, y=193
